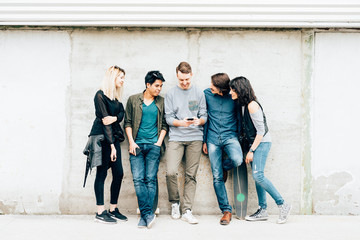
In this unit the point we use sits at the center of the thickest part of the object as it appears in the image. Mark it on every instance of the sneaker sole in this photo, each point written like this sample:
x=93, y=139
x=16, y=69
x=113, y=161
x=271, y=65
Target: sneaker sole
x=118, y=219
x=257, y=219
x=102, y=221
x=151, y=223
x=287, y=216
x=121, y=220
x=184, y=219
x=175, y=218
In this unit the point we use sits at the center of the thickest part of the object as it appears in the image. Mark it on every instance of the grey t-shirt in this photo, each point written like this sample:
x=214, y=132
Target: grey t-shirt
x=258, y=121
x=180, y=104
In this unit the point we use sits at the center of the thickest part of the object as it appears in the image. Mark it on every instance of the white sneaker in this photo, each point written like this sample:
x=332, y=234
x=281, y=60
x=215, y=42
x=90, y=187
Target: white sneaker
x=187, y=216
x=284, y=212
x=175, y=211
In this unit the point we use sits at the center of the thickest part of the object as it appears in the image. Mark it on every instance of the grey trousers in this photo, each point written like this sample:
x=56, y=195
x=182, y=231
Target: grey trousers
x=174, y=154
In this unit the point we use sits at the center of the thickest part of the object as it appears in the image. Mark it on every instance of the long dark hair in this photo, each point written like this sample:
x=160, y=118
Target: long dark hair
x=242, y=87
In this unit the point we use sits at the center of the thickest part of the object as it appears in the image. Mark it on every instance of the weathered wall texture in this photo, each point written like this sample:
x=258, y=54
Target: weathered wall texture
x=48, y=80
x=34, y=78
x=335, y=162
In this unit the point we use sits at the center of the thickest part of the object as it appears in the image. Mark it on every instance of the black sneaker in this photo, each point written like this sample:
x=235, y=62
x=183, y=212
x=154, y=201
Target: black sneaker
x=104, y=217
x=116, y=214
x=260, y=215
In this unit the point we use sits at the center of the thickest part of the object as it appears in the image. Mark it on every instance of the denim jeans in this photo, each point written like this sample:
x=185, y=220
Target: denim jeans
x=263, y=184
x=233, y=150
x=144, y=168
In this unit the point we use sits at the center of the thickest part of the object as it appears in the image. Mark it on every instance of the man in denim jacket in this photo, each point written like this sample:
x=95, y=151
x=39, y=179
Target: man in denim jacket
x=220, y=133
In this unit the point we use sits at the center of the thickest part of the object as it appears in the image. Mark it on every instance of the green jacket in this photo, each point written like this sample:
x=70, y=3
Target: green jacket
x=133, y=115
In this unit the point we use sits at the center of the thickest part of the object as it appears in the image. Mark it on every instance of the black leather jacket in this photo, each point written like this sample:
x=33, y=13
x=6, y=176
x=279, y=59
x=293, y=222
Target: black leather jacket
x=93, y=151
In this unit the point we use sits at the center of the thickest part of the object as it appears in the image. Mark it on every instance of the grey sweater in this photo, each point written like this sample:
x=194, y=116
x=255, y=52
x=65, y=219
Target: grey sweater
x=180, y=104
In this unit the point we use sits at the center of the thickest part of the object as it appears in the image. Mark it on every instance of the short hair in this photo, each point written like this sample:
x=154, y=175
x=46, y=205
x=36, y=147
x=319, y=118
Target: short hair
x=184, y=67
x=221, y=81
x=152, y=76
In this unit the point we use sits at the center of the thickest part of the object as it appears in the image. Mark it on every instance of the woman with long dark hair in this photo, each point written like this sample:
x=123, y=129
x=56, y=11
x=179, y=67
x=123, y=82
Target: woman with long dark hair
x=256, y=141
x=109, y=113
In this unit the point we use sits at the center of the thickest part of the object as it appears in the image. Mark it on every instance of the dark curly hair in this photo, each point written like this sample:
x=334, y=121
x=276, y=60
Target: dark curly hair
x=242, y=87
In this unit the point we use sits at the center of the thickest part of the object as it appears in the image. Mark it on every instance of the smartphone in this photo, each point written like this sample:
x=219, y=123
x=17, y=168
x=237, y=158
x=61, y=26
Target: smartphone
x=137, y=151
x=190, y=119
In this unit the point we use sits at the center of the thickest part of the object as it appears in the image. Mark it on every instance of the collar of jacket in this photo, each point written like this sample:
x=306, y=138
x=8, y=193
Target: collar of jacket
x=156, y=99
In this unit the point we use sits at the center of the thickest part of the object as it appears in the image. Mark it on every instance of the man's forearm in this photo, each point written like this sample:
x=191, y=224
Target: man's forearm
x=128, y=131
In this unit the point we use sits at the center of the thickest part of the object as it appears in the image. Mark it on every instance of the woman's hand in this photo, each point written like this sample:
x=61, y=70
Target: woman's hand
x=249, y=157
x=132, y=148
x=205, y=150
x=109, y=120
x=113, y=153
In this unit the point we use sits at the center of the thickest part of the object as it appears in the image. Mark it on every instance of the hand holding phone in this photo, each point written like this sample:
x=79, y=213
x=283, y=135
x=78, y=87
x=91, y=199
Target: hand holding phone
x=186, y=122
x=137, y=151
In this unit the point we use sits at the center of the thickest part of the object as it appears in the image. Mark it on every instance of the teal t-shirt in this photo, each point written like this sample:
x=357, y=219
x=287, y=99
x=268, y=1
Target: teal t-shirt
x=148, y=132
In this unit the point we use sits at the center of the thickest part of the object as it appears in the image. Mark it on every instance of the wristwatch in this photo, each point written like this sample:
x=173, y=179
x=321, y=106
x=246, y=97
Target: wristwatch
x=250, y=150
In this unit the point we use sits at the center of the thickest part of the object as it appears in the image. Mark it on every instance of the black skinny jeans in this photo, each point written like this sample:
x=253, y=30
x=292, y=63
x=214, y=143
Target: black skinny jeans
x=101, y=173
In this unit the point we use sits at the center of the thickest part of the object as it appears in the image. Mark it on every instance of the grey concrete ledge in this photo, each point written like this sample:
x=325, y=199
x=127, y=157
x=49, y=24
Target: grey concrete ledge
x=54, y=227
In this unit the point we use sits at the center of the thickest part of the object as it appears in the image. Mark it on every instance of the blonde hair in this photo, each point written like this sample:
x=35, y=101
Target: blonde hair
x=108, y=84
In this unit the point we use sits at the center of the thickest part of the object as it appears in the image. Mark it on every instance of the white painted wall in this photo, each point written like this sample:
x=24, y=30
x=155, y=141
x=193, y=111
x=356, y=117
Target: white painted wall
x=34, y=76
x=335, y=161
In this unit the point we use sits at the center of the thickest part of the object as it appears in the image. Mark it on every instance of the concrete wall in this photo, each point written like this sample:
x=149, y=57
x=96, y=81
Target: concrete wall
x=34, y=77
x=48, y=78
x=335, y=162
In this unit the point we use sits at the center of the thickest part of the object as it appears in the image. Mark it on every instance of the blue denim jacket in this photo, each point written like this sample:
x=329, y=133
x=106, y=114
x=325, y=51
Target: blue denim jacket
x=222, y=123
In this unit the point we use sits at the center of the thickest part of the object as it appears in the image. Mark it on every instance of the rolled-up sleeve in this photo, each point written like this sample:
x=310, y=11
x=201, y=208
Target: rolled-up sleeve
x=128, y=114
x=202, y=108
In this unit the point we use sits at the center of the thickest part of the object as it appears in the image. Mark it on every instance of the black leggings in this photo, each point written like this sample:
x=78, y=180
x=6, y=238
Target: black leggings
x=101, y=173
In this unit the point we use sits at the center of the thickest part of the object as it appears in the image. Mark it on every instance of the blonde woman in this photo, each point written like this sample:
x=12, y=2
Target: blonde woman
x=109, y=113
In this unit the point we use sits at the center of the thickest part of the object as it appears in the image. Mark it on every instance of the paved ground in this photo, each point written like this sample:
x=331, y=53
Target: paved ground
x=24, y=227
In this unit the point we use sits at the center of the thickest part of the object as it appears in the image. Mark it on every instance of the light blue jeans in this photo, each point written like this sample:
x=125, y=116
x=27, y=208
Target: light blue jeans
x=233, y=150
x=144, y=168
x=263, y=184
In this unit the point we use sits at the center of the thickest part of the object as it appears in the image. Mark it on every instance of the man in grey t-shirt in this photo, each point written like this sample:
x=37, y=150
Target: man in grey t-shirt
x=185, y=113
